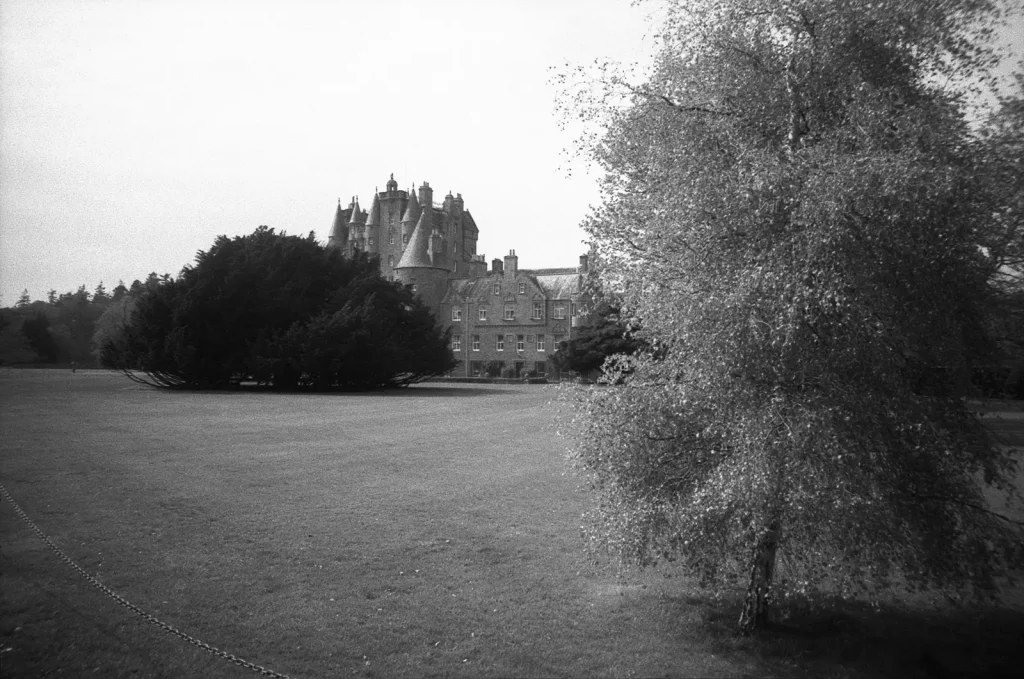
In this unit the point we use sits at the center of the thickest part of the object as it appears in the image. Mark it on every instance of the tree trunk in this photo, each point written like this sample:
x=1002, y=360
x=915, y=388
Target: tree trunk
x=755, y=606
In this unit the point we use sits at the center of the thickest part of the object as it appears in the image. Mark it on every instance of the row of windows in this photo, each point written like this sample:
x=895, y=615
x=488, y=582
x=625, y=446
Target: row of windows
x=510, y=311
x=539, y=342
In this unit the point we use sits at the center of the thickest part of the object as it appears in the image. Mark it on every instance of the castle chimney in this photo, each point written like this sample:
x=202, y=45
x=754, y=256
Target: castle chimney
x=496, y=266
x=426, y=196
x=584, y=264
x=511, y=263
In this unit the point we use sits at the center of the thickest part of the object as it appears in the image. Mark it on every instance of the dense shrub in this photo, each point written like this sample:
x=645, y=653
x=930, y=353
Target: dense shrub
x=281, y=310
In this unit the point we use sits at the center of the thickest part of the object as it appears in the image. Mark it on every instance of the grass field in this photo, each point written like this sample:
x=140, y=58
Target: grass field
x=430, y=531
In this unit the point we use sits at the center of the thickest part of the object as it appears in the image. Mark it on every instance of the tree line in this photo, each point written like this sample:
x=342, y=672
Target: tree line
x=63, y=328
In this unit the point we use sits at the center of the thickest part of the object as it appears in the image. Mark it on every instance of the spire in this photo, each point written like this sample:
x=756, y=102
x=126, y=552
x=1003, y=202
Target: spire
x=374, y=218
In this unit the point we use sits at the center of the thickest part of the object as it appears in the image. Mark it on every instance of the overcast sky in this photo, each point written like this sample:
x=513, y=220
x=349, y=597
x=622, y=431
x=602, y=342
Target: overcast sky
x=133, y=133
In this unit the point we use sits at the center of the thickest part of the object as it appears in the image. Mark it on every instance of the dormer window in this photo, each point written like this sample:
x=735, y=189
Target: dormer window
x=522, y=288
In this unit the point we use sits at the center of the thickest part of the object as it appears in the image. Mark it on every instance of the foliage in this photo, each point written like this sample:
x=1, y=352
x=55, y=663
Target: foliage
x=282, y=310
x=606, y=335
x=793, y=214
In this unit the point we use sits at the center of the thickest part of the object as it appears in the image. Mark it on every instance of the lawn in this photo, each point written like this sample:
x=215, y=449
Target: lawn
x=429, y=531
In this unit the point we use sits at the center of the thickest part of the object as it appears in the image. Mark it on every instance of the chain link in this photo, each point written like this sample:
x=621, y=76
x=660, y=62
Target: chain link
x=132, y=607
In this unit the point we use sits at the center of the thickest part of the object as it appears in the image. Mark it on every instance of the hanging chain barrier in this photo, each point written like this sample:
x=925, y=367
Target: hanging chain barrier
x=262, y=671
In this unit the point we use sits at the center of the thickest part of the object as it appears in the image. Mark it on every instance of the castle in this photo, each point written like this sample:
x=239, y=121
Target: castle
x=506, y=315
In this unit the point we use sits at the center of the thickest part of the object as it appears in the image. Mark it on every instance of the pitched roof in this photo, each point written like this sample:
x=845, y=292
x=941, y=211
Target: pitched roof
x=559, y=286
x=554, y=286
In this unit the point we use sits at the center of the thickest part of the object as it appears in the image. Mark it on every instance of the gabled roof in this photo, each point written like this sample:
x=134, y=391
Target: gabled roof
x=559, y=286
x=554, y=286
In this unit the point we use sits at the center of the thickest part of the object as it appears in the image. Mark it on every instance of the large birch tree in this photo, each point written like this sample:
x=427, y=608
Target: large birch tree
x=792, y=214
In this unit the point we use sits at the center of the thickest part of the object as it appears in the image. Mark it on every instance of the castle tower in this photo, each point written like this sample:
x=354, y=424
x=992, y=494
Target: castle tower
x=423, y=266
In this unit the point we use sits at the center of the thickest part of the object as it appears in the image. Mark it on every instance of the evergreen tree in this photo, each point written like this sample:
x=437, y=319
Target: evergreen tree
x=282, y=310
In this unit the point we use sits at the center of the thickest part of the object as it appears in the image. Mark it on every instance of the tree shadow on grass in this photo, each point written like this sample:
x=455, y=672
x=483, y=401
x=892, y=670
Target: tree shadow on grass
x=850, y=639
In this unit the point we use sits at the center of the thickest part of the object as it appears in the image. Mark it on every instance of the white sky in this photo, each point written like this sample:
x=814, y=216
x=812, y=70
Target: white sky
x=133, y=133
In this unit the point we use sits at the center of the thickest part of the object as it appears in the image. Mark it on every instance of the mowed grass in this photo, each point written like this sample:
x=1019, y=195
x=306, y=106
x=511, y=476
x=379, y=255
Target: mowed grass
x=429, y=531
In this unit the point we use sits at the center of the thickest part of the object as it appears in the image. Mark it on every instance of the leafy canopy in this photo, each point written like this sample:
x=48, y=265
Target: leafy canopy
x=792, y=215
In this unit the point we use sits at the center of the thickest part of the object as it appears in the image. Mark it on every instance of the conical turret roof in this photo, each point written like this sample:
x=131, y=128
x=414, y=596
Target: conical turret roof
x=412, y=210
x=339, y=230
x=356, y=213
x=417, y=253
x=374, y=218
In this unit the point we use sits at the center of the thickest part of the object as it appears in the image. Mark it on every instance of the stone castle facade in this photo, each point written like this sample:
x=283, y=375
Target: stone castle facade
x=503, y=315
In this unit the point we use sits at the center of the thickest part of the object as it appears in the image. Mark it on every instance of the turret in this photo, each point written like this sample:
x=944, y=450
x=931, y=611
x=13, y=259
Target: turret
x=339, y=230
x=410, y=218
x=423, y=265
x=392, y=185
x=356, y=226
x=372, y=230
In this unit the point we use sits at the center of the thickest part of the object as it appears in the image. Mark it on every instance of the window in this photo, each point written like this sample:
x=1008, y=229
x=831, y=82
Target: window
x=500, y=344
x=522, y=288
x=373, y=241
x=540, y=343
x=414, y=287
x=558, y=341
x=456, y=313
x=476, y=342
x=497, y=288
x=391, y=234
x=457, y=343
x=456, y=248
x=560, y=310
x=405, y=239
x=482, y=314
x=510, y=312
x=572, y=308
x=538, y=311
x=541, y=367
x=520, y=343
x=391, y=260
x=391, y=221
x=455, y=268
